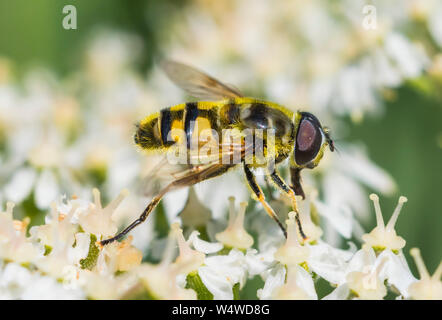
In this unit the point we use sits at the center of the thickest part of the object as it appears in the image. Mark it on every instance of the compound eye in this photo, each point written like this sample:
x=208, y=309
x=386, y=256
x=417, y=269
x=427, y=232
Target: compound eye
x=308, y=141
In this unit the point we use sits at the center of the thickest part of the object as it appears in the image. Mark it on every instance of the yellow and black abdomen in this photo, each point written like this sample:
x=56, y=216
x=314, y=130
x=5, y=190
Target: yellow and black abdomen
x=185, y=122
x=165, y=128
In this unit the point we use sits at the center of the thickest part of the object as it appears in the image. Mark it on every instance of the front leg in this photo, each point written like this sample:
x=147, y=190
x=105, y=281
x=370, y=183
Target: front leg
x=256, y=189
x=279, y=182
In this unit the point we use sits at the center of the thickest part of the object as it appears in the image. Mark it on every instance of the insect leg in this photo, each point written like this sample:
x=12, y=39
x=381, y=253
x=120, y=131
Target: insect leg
x=295, y=174
x=279, y=182
x=141, y=218
x=188, y=180
x=260, y=196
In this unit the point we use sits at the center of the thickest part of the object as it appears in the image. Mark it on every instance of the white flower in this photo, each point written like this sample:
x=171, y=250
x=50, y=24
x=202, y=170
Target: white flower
x=106, y=287
x=20, y=185
x=203, y=246
x=235, y=236
x=14, y=244
x=344, y=197
x=46, y=189
x=367, y=284
x=397, y=272
x=13, y=279
x=220, y=273
x=53, y=141
x=340, y=293
x=118, y=256
x=428, y=287
x=161, y=280
x=299, y=284
x=274, y=278
x=46, y=172
x=385, y=237
x=98, y=220
x=292, y=252
x=328, y=262
x=108, y=53
x=408, y=58
x=17, y=282
x=258, y=263
x=81, y=249
x=365, y=274
x=227, y=269
x=435, y=24
x=219, y=286
x=324, y=260
x=188, y=260
x=58, y=231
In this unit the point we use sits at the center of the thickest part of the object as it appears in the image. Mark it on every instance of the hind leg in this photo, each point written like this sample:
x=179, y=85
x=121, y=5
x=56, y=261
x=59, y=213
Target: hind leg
x=190, y=179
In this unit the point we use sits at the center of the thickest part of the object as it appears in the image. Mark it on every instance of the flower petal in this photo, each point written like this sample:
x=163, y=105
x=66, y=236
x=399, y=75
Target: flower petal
x=328, y=262
x=340, y=293
x=217, y=284
x=397, y=272
x=274, y=279
x=20, y=185
x=203, y=246
x=46, y=189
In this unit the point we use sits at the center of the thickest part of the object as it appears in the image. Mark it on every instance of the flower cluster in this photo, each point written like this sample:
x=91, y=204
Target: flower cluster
x=66, y=136
x=61, y=259
x=337, y=63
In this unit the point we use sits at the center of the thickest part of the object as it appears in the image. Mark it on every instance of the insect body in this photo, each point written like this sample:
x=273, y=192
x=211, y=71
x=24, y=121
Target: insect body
x=156, y=131
x=251, y=126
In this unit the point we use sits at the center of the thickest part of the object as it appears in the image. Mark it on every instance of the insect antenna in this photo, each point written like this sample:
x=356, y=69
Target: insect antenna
x=337, y=146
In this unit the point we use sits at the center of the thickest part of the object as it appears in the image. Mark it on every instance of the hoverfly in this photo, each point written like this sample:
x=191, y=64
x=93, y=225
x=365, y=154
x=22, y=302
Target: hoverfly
x=298, y=135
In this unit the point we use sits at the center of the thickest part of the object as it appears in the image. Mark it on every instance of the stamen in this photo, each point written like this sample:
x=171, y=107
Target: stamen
x=232, y=212
x=97, y=199
x=377, y=208
x=235, y=235
x=182, y=244
x=188, y=260
x=396, y=212
x=239, y=219
x=423, y=272
x=74, y=208
x=169, y=250
x=9, y=209
x=54, y=212
x=292, y=252
x=116, y=202
x=292, y=237
x=438, y=273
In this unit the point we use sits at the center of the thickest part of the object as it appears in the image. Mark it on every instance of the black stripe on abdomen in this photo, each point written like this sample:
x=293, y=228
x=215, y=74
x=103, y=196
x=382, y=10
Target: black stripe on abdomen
x=166, y=123
x=232, y=113
x=189, y=121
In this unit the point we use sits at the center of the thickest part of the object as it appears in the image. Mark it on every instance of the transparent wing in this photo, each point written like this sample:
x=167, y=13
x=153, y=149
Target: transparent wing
x=158, y=172
x=197, y=83
x=161, y=172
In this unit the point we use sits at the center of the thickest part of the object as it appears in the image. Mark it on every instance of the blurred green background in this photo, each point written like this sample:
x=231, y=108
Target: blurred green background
x=406, y=141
